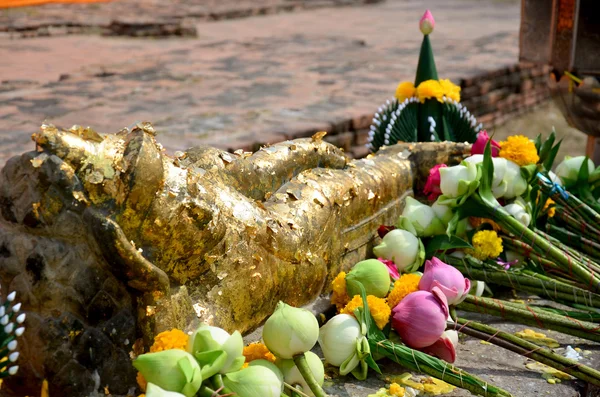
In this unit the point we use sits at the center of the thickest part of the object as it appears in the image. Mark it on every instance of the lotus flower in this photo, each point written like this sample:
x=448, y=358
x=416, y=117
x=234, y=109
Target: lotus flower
x=432, y=187
x=482, y=140
x=291, y=331
x=447, y=278
x=172, y=370
x=420, y=318
x=499, y=184
x=392, y=268
x=373, y=275
x=420, y=219
x=516, y=185
x=568, y=170
x=255, y=381
x=292, y=375
x=518, y=209
x=427, y=23
x=402, y=248
x=154, y=391
x=459, y=180
x=338, y=340
x=216, y=351
x=445, y=347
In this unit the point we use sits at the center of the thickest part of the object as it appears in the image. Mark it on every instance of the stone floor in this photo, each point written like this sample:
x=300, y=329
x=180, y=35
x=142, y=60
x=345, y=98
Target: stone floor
x=241, y=81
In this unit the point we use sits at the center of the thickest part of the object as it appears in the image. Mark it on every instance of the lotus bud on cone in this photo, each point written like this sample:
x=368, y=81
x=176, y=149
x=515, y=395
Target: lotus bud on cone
x=402, y=248
x=292, y=375
x=427, y=23
x=172, y=370
x=291, y=330
x=447, y=278
x=372, y=274
x=255, y=381
x=420, y=318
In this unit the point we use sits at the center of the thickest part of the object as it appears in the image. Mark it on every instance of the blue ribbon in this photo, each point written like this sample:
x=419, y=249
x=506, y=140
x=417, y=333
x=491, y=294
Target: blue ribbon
x=554, y=187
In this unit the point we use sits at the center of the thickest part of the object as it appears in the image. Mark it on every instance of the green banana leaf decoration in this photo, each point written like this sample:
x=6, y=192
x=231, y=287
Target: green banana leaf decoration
x=428, y=111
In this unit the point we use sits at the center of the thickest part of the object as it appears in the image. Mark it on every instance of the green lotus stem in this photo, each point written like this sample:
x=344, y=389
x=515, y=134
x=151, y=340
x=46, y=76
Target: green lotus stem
x=574, y=239
x=525, y=281
x=576, y=226
x=417, y=361
x=217, y=381
x=302, y=364
x=528, y=316
x=296, y=391
x=592, y=317
x=580, y=256
x=540, y=245
x=528, y=349
x=572, y=202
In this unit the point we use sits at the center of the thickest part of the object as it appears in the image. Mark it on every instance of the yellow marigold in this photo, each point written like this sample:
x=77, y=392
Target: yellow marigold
x=403, y=286
x=486, y=245
x=173, y=339
x=549, y=206
x=339, y=296
x=396, y=390
x=405, y=89
x=476, y=222
x=377, y=306
x=450, y=90
x=430, y=89
x=520, y=149
x=141, y=381
x=258, y=351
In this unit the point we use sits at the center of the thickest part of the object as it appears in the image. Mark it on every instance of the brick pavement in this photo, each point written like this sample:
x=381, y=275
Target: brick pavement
x=260, y=79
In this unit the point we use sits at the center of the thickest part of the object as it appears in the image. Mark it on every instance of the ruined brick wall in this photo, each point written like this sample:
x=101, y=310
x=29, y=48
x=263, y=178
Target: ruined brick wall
x=493, y=97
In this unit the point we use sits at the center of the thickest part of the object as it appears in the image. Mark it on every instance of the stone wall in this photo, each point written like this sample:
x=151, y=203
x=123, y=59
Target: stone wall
x=493, y=97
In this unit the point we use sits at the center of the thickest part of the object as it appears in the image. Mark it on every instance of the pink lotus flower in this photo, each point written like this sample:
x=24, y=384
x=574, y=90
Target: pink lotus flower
x=420, y=318
x=482, y=140
x=427, y=23
x=447, y=278
x=392, y=268
x=445, y=347
x=432, y=186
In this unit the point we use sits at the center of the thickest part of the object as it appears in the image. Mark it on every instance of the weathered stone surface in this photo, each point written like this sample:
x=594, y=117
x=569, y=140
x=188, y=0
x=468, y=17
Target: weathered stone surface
x=99, y=234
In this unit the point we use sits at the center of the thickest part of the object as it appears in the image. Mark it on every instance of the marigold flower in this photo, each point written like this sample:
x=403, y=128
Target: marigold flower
x=406, y=89
x=377, y=306
x=173, y=339
x=339, y=295
x=519, y=149
x=486, y=245
x=430, y=89
x=477, y=222
x=396, y=390
x=258, y=351
x=550, y=207
x=403, y=286
x=450, y=90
